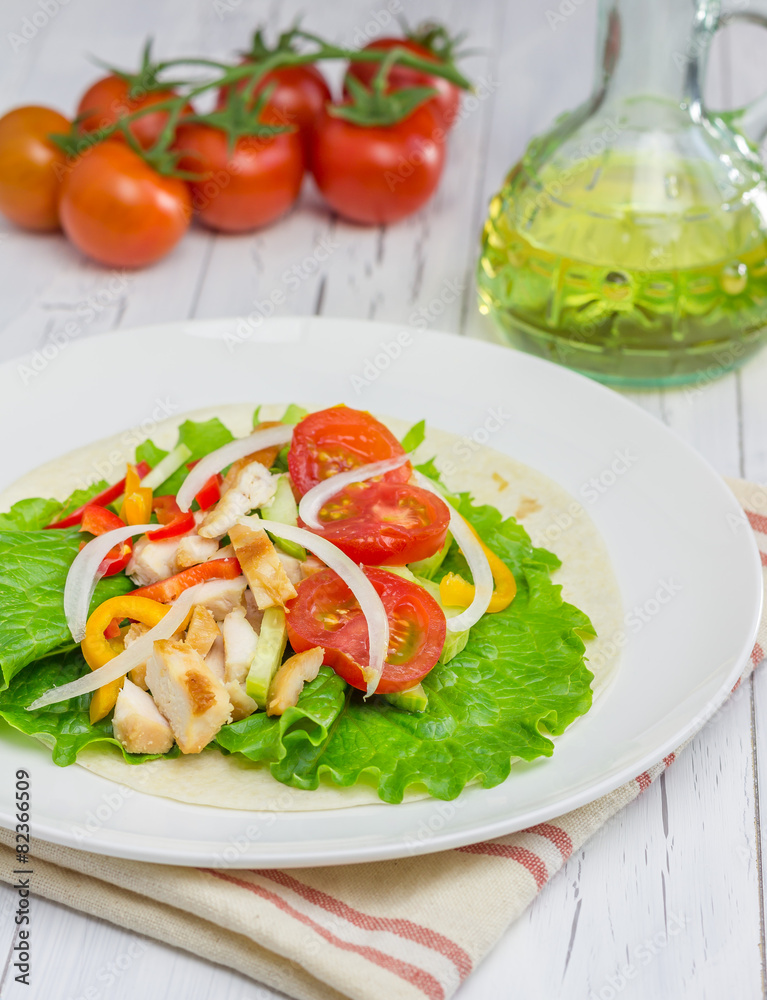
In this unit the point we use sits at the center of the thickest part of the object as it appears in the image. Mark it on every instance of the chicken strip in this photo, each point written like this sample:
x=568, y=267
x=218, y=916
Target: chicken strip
x=151, y=562
x=187, y=692
x=222, y=596
x=252, y=612
x=194, y=549
x=310, y=566
x=261, y=565
x=216, y=657
x=288, y=683
x=135, y=631
x=253, y=487
x=202, y=631
x=242, y=704
x=240, y=642
x=291, y=565
x=137, y=723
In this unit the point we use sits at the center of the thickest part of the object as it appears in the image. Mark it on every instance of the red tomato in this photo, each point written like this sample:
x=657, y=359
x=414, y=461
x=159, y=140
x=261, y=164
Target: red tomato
x=325, y=613
x=31, y=167
x=378, y=174
x=119, y=211
x=300, y=94
x=337, y=439
x=109, y=99
x=446, y=101
x=252, y=186
x=385, y=524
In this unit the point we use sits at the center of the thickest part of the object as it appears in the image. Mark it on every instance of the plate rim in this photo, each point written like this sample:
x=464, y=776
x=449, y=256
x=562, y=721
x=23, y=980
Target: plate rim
x=109, y=842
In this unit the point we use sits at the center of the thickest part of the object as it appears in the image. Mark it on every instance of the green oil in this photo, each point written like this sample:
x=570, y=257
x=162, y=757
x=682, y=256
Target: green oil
x=636, y=270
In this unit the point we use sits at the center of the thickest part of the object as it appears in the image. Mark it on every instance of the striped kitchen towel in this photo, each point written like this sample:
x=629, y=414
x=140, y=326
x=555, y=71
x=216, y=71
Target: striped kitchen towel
x=406, y=930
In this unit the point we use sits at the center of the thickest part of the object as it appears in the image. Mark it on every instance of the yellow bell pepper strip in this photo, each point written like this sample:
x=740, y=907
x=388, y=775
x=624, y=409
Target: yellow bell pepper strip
x=137, y=504
x=455, y=592
x=98, y=649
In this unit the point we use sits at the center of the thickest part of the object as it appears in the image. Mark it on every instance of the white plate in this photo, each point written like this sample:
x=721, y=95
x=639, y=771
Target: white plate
x=668, y=521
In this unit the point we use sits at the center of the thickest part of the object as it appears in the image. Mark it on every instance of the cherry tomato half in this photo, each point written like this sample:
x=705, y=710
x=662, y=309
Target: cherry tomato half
x=31, y=167
x=385, y=524
x=251, y=186
x=119, y=211
x=300, y=93
x=446, y=101
x=378, y=174
x=337, y=439
x=325, y=613
x=109, y=99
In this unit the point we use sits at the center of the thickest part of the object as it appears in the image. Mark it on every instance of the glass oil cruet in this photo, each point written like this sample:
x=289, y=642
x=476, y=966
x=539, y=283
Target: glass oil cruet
x=630, y=241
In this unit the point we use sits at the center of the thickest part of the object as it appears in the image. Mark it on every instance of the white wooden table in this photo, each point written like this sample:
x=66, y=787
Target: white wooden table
x=671, y=889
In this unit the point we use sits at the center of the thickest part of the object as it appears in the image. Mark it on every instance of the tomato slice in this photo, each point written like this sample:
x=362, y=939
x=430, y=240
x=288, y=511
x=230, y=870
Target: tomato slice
x=338, y=439
x=385, y=524
x=326, y=613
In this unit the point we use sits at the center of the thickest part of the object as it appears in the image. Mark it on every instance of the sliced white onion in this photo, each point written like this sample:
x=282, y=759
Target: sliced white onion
x=136, y=653
x=315, y=499
x=366, y=594
x=475, y=557
x=84, y=574
x=221, y=457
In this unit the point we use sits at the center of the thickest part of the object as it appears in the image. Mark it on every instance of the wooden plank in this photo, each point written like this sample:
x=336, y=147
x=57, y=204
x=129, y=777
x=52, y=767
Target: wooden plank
x=662, y=901
x=82, y=958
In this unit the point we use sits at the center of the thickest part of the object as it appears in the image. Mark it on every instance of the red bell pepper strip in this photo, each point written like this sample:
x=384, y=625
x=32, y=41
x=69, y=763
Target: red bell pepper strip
x=178, y=526
x=112, y=631
x=210, y=492
x=166, y=508
x=100, y=500
x=98, y=520
x=168, y=590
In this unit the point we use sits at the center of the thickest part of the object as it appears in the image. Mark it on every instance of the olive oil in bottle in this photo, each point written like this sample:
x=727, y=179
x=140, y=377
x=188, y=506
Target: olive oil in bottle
x=636, y=268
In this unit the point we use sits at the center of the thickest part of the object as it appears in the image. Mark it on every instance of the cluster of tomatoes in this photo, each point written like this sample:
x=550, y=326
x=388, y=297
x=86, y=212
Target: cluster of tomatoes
x=125, y=178
x=387, y=522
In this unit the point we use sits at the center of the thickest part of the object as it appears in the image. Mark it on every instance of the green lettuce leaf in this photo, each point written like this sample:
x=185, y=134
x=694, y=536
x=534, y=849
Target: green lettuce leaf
x=33, y=570
x=65, y=728
x=414, y=436
x=200, y=437
x=30, y=515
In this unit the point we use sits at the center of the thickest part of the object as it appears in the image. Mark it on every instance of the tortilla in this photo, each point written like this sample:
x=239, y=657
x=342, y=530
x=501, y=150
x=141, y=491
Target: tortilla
x=553, y=519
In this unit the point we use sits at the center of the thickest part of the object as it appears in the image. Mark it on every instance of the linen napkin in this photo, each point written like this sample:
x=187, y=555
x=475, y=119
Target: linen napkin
x=409, y=929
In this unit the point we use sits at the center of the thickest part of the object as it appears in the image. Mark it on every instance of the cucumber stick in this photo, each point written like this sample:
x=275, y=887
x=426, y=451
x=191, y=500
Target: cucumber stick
x=284, y=509
x=414, y=699
x=270, y=648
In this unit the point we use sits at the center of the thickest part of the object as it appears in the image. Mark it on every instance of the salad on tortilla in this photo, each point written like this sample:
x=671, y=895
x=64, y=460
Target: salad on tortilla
x=305, y=604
